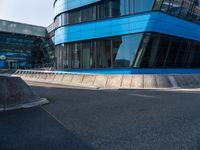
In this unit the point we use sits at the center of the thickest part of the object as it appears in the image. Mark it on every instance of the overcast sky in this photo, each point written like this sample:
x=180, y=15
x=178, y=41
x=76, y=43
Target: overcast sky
x=37, y=12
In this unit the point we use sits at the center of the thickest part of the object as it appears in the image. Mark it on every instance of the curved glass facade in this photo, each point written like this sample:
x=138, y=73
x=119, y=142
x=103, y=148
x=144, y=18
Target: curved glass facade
x=155, y=51
x=166, y=38
x=186, y=9
x=103, y=10
x=162, y=51
x=116, y=52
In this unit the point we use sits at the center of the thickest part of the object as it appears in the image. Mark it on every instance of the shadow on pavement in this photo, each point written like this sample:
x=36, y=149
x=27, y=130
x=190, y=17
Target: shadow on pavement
x=35, y=129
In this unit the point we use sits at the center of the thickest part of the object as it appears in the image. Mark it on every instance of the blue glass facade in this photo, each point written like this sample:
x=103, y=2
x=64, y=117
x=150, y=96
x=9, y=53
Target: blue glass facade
x=127, y=34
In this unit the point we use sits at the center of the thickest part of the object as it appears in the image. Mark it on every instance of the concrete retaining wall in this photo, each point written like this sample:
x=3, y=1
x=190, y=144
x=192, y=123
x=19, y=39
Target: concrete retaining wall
x=15, y=94
x=113, y=81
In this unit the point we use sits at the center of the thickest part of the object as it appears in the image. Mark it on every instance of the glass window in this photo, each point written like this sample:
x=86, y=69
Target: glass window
x=172, y=53
x=87, y=14
x=107, y=9
x=88, y=55
x=165, y=5
x=142, y=5
x=124, y=50
x=176, y=7
x=148, y=51
x=103, y=53
x=58, y=21
x=75, y=55
x=116, y=8
x=196, y=15
x=61, y=56
x=158, y=5
x=185, y=8
x=193, y=56
x=179, y=60
x=162, y=51
x=65, y=18
x=75, y=16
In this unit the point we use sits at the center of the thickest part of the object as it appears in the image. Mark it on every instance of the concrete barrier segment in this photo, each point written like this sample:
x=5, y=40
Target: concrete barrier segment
x=89, y=80
x=15, y=94
x=150, y=81
x=114, y=81
x=137, y=81
x=126, y=81
x=101, y=81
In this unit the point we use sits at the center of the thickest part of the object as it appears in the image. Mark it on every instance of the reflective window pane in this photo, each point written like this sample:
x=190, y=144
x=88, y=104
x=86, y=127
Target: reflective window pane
x=75, y=55
x=124, y=50
x=103, y=53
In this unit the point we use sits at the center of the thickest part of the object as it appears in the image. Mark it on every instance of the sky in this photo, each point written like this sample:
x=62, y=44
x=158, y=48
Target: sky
x=36, y=12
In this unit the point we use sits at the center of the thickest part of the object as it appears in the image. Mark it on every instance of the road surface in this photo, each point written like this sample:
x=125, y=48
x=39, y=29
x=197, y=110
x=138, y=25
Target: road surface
x=104, y=120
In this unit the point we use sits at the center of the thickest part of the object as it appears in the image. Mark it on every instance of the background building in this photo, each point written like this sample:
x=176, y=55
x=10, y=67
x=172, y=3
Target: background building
x=127, y=34
x=25, y=46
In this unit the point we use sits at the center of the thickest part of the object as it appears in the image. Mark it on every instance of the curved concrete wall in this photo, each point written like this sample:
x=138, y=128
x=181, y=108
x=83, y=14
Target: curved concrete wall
x=145, y=22
x=146, y=81
x=66, y=5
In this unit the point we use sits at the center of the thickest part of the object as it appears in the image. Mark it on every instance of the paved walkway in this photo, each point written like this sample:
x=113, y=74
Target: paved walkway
x=105, y=120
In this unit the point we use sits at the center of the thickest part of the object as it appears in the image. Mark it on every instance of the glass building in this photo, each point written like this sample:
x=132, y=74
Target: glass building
x=127, y=34
x=24, y=46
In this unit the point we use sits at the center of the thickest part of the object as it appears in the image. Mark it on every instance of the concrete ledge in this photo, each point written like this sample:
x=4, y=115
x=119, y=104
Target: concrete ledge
x=50, y=77
x=42, y=76
x=58, y=78
x=137, y=81
x=150, y=81
x=191, y=81
x=101, y=80
x=67, y=79
x=114, y=81
x=126, y=81
x=78, y=79
x=163, y=81
x=146, y=81
x=89, y=80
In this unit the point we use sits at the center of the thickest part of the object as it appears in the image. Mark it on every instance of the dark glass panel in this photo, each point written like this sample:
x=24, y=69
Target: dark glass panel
x=88, y=55
x=75, y=55
x=142, y=5
x=88, y=13
x=172, y=53
x=148, y=51
x=116, y=8
x=107, y=9
x=103, y=47
x=193, y=60
x=176, y=7
x=185, y=8
x=124, y=50
x=65, y=18
x=158, y=5
x=62, y=56
x=162, y=52
x=166, y=5
x=75, y=16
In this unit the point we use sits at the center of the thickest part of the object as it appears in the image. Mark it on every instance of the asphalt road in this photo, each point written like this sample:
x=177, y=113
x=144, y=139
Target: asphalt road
x=104, y=120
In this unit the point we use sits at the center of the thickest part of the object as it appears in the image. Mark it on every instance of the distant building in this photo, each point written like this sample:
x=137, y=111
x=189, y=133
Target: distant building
x=127, y=34
x=25, y=46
